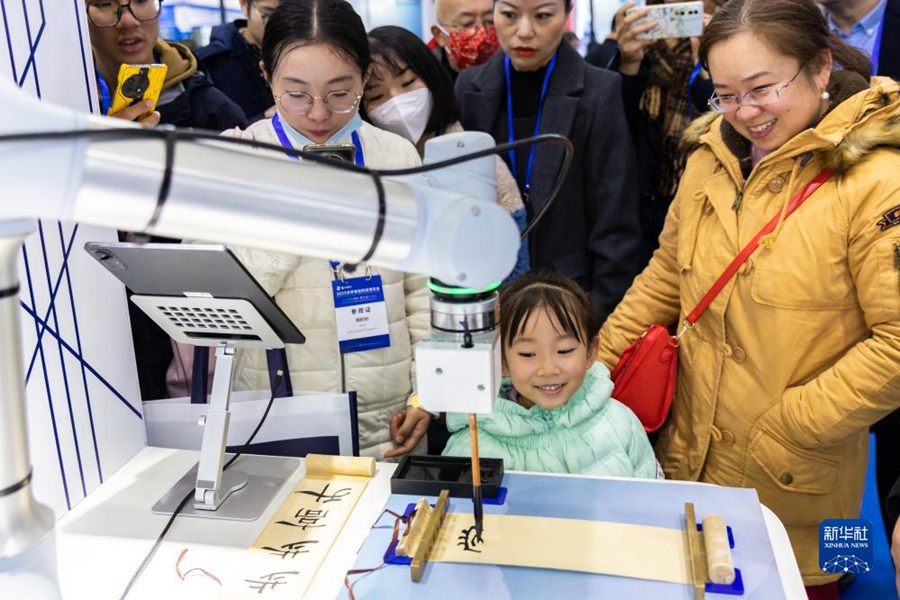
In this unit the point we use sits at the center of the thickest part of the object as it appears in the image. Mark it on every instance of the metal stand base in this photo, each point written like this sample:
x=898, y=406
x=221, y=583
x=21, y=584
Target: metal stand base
x=265, y=477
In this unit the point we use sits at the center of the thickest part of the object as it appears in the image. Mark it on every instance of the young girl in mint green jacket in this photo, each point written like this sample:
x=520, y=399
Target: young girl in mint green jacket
x=555, y=413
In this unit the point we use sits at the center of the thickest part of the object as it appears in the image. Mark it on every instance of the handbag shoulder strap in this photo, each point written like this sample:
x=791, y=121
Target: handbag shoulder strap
x=741, y=258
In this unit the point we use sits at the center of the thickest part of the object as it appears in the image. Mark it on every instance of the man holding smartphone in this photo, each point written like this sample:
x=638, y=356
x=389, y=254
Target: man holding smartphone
x=232, y=59
x=127, y=32
x=655, y=73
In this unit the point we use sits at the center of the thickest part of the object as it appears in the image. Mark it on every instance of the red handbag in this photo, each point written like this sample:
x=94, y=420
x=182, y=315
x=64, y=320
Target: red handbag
x=644, y=378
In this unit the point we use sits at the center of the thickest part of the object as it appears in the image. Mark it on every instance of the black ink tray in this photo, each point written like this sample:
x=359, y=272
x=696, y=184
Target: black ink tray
x=428, y=475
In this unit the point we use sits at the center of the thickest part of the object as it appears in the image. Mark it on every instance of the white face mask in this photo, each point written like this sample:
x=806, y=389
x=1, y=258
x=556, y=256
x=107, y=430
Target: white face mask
x=406, y=114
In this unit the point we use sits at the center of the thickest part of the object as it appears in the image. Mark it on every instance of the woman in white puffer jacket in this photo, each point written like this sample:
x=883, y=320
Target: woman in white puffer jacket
x=316, y=60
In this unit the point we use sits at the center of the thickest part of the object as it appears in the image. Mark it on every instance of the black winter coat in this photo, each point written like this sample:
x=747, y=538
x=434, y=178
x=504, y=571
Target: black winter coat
x=233, y=65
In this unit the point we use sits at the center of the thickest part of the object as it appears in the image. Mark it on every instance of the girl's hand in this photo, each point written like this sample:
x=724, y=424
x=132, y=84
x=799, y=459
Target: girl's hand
x=631, y=49
x=132, y=113
x=407, y=428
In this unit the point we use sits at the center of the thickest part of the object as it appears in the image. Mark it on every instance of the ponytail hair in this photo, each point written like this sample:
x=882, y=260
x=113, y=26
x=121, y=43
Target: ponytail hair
x=795, y=28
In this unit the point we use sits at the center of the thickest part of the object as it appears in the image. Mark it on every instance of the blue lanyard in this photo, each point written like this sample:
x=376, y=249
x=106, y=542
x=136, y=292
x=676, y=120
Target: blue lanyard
x=359, y=159
x=876, y=49
x=105, y=96
x=694, y=74
x=537, y=125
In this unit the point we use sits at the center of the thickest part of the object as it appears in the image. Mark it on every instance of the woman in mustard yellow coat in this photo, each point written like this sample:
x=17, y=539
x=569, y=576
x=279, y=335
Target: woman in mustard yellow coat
x=800, y=353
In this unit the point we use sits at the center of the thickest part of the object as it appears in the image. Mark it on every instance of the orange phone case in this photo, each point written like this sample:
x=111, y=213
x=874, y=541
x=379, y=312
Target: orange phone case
x=138, y=83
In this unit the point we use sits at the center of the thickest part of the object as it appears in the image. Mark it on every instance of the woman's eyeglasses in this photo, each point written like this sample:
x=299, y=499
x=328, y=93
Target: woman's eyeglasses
x=108, y=13
x=300, y=103
x=758, y=97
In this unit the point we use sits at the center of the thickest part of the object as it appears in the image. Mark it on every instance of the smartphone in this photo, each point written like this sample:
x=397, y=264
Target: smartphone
x=344, y=152
x=138, y=83
x=675, y=20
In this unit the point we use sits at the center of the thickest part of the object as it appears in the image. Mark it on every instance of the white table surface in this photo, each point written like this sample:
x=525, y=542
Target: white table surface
x=103, y=540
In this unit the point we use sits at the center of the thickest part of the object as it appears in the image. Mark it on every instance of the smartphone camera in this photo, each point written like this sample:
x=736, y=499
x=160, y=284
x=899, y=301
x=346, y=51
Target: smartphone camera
x=109, y=260
x=136, y=86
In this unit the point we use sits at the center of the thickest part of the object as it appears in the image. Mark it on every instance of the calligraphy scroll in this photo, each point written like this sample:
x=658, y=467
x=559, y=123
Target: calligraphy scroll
x=286, y=556
x=621, y=549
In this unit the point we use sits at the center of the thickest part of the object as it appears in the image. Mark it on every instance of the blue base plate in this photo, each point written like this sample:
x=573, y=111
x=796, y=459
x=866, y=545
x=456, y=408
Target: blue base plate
x=736, y=588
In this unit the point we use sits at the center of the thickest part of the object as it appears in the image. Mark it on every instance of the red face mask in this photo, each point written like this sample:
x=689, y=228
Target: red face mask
x=473, y=46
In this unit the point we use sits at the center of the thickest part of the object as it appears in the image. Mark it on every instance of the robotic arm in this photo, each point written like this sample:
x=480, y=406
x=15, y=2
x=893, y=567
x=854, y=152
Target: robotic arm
x=220, y=193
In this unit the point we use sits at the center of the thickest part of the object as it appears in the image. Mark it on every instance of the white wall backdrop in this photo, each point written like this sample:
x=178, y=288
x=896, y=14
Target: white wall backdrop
x=83, y=398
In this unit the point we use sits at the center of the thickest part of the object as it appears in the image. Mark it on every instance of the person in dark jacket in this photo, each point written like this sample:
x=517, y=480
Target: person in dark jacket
x=591, y=233
x=129, y=34
x=873, y=26
x=656, y=75
x=232, y=59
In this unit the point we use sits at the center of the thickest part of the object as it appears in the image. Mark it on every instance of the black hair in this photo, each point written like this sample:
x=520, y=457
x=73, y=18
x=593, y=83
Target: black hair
x=305, y=22
x=395, y=46
x=795, y=28
x=565, y=301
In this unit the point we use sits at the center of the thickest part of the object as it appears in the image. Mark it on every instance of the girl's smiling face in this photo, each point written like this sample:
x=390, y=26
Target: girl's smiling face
x=546, y=364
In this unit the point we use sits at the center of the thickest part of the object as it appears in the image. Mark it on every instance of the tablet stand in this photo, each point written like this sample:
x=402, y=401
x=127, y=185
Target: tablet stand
x=250, y=485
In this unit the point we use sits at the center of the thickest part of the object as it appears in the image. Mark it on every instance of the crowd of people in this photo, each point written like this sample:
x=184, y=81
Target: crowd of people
x=683, y=150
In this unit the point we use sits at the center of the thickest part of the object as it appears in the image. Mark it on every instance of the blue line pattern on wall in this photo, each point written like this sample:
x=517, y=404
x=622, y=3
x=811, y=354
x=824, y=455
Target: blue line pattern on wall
x=91, y=422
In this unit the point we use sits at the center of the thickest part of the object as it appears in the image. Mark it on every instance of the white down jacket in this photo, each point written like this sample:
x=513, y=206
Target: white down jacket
x=383, y=379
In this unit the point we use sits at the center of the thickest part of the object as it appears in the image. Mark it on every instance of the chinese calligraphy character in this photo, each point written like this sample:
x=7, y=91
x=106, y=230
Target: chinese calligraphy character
x=469, y=539
x=335, y=497
x=307, y=518
x=831, y=533
x=860, y=534
x=272, y=579
x=291, y=550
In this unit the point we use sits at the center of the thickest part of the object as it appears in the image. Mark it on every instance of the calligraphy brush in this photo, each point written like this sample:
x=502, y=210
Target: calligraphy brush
x=476, y=477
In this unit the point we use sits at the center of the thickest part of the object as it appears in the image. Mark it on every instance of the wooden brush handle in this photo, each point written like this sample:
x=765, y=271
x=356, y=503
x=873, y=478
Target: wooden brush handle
x=473, y=436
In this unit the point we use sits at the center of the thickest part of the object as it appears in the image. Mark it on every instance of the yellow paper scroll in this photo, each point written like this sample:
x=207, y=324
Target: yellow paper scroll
x=620, y=549
x=286, y=556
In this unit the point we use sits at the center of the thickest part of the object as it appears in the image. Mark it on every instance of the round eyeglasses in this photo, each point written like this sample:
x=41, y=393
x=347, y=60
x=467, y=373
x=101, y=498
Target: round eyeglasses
x=759, y=97
x=108, y=13
x=300, y=103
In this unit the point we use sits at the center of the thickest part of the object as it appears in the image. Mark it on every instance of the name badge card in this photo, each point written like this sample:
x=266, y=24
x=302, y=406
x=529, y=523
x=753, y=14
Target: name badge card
x=361, y=314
